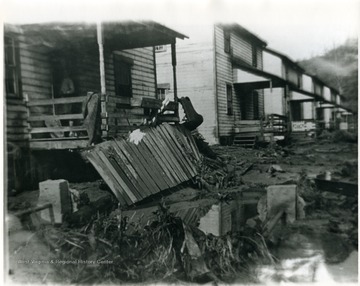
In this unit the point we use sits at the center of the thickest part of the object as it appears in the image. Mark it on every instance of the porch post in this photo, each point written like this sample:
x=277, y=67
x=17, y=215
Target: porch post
x=288, y=111
x=173, y=62
x=101, y=58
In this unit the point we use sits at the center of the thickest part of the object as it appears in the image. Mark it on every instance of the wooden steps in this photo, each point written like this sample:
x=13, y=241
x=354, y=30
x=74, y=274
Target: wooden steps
x=245, y=139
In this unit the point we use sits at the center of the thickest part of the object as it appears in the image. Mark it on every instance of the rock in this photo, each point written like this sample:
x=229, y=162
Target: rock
x=275, y=168
x=57, y=193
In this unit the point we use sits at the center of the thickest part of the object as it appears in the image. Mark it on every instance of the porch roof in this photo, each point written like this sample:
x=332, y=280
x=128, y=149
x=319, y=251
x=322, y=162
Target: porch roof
x=117, y=35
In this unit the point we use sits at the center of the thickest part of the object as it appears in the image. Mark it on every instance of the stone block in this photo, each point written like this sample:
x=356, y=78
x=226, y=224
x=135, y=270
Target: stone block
x=282, y=197
x=57, y=193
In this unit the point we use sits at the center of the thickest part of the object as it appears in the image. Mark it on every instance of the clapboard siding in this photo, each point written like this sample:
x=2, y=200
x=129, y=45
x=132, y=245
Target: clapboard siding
x=142, y=72
x=241, y=49
x=224, y=75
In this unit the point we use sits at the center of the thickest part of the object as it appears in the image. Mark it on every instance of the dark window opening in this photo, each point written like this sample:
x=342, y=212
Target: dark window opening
x=229, y=98
x=254, y=57
x=227, y=44
x=296, y=111
x=122, y=71
x=11, y=68
x=320, y=114
x=255, y=96
x=299, y=81
x=250, y=105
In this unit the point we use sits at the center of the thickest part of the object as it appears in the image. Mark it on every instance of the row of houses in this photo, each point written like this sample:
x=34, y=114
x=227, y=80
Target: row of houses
x=68, y=85
x=246, y=90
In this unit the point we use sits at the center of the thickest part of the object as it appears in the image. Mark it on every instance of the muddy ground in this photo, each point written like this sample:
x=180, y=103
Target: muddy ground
x=322, y=246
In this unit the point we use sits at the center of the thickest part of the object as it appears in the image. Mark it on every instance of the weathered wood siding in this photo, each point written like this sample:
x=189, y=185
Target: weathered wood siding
x=224, y=75
x=142, y=72
x=195, y=75
x=35, y=83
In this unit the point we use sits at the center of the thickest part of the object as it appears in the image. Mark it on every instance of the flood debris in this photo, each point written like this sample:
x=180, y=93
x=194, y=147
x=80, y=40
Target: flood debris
x=165, y=250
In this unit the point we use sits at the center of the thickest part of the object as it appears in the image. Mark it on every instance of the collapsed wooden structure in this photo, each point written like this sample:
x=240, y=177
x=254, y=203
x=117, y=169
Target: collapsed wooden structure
x=160, y=159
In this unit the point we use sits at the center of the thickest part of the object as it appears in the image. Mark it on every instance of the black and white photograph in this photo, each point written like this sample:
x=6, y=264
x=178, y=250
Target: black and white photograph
x=180, y=142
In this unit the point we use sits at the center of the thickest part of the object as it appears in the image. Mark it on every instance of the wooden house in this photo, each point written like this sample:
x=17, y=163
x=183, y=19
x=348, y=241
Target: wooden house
x=221, y=70
x=307, y=102
x=62, y=78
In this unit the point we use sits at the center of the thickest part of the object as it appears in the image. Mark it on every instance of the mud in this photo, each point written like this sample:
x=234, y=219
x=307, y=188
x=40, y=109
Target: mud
x=322, y=247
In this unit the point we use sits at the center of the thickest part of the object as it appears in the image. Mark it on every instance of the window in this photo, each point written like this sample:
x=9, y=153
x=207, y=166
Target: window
x=122, y=69
x=227, y=41
x=162, y=90
x=254, y=56
x=229, y=99
x=11, y=68
x=161, y=93
x=299, y=81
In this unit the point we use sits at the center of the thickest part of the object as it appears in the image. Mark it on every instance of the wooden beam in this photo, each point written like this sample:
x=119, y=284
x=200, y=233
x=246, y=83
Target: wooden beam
x=63, y=100
x=57, y=129
x=173, y=62
x=55, y=117
x=58, y=144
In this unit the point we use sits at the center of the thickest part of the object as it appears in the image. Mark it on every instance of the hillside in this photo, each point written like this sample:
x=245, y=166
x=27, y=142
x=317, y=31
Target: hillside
x=338, y=67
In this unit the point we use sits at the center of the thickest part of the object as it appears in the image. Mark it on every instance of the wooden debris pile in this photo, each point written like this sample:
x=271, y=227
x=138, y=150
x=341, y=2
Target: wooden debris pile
x=161, y=158
x=108, y=250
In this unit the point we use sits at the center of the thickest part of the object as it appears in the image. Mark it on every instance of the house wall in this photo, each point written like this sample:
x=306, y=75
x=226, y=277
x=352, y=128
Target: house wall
x=224, y=74
x=307, y=83
x=34, y=83
x=195, y=75
x=327, y=93
x=142, y=72
x=273, y=64
x=308, y=110
x=293, y=76
x=318, y=88
x=274, y=101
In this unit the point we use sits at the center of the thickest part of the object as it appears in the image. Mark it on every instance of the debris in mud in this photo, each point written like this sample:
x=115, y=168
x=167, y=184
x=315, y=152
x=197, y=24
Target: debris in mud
x=275, y=169
x=164, y=250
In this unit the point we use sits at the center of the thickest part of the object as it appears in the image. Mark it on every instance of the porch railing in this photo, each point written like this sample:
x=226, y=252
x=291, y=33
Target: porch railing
x=277, y=124
x=45, y=123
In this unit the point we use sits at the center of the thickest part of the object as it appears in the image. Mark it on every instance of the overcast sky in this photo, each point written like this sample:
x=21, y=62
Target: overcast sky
x=298, y=28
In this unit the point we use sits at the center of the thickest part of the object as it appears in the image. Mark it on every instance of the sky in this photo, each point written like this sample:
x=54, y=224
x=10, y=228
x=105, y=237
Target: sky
x=297, y=28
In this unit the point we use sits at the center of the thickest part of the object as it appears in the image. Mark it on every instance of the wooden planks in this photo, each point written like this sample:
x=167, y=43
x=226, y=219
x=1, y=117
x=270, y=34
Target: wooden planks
x=164, y=158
